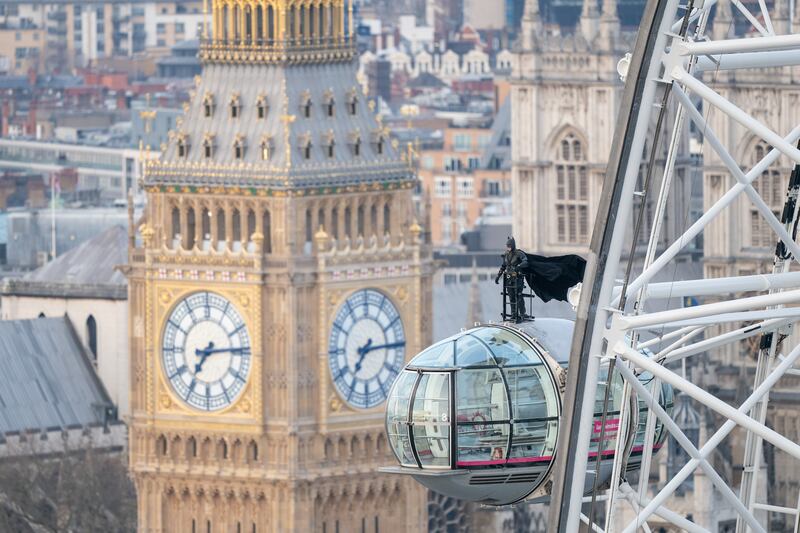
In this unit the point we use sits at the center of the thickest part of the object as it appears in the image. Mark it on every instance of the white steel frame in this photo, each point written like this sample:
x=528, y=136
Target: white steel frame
x=615, y=332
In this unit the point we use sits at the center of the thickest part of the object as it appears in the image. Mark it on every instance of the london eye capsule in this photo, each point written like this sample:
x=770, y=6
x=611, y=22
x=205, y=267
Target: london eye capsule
x=477, y=415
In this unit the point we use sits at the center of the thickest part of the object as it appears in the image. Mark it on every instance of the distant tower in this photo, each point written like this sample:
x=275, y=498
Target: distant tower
x=278, y=285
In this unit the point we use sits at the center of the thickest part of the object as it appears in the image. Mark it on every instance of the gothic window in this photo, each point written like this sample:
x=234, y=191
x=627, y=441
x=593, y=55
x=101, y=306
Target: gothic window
x=261, y=107
x=248, y=24
x=236, y=229
x=190, y=229
x=305, y=147
x=357, y=147
x=252, y=452
x=348, y=222
x=176, y=224
x=335, y=223
x=183, y=147
x=309, y=229
x=270, y=23
x=251, y=223
x=572, y=192
x=373, y=218
x=387, y=216
x=266, y=148
x=208, y=147
x=161, y=446
x=259, y=24
x=208, y=105
x=191, y=447
x=206, y=223
x=266, y=229
x=225, y=16
x=352, y=104
x=221, y=236
x=305, y=105
x=330, y=149
x=321, y=217
x=379, y=146
x=330, y=108
x=236, y=107
x=238, y=147
x=360, y=221
x=772, y=188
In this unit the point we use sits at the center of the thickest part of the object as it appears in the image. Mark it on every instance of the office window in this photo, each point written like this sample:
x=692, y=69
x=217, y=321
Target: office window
x=466, y=188
x=443, y=187
x=462, y=142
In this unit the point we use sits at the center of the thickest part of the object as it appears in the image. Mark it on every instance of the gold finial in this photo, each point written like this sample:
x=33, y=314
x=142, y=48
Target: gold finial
x=147, y=235
x=257, y=238
x=415, y=229
x=321, y=238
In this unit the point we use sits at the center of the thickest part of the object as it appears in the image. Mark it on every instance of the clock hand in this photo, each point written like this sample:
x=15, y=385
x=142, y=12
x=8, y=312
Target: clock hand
x=362, y=352
x=203, y=354
x=218, y=350
x=383, y=346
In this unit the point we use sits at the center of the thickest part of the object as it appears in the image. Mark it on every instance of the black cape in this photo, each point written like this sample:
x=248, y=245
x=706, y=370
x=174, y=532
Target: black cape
x=551, y=277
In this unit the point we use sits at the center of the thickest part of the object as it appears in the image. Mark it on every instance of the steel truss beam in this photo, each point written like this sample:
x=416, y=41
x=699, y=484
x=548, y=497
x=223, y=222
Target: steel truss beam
x=610, y=319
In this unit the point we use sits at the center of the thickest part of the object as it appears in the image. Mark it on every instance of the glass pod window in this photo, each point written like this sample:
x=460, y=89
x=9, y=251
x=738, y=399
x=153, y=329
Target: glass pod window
x=482, y=417
x=430, y=417
x=397, y=418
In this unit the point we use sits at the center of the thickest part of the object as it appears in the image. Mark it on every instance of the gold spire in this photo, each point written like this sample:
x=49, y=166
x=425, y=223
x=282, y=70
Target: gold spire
x=280, y=30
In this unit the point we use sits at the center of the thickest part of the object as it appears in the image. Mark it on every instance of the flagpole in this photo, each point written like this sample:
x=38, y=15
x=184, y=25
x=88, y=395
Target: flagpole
x=53, y=216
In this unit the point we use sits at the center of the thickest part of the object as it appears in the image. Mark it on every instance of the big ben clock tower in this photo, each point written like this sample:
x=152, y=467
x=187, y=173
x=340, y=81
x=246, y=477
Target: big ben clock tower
x=277, y=286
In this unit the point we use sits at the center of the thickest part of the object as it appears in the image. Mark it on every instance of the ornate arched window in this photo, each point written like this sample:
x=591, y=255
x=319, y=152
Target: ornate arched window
x=221, y=235
x=238, y=147
x=205, y=223
x=267, y=147
x=183, y=146
x=236, y=226
x=771, y=185
x=572, y=191
x=305, y=147
x=236, y=106
x=251, y=223
x=176, y=223
x=208, y=146
x=329, y=104
x=266, y=229
x=208, y=105
x=352, y=102
x=190, y=229
x=305, y=104
x=262, y=107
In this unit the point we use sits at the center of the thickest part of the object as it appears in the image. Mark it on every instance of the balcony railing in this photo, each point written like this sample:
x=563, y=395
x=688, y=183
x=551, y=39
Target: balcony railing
x=270, y=51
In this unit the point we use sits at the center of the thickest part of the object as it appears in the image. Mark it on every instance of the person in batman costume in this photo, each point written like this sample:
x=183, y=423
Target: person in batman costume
x=514, y=264
x=549, y=277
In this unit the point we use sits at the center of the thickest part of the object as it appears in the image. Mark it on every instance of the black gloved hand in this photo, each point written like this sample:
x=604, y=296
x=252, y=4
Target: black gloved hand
x=497, y=280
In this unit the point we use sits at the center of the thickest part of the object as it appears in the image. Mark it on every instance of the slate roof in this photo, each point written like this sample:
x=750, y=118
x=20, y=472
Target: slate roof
x=284, y=88
x=47, y=379
x=86, y=271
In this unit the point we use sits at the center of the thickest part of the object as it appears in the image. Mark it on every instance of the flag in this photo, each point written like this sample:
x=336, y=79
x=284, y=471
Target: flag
x=551, y=277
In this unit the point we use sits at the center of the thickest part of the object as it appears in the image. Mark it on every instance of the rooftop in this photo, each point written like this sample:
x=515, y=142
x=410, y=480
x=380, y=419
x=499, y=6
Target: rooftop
x=86, y=271
x=47, y=379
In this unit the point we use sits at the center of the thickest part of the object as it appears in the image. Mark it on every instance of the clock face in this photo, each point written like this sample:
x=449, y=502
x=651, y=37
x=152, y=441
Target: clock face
x=366, y=348
x=206, y=351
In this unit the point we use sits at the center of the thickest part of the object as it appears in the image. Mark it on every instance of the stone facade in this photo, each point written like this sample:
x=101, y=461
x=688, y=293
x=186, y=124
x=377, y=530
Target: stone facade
x=280, y=193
